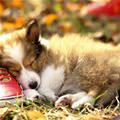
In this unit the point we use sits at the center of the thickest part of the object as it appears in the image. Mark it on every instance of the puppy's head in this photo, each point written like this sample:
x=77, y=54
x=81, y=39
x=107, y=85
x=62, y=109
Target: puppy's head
x=22, y=53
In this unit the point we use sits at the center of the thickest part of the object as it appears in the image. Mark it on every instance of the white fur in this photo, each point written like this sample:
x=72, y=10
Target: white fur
x=15, y=51
x=82, y=101
x=31, y=94
x=44, y=42
x=51, y=81
x=27, y=76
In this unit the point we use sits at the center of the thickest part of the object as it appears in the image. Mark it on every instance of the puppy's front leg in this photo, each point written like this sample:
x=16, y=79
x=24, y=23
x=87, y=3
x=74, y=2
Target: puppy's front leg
x=75, y=100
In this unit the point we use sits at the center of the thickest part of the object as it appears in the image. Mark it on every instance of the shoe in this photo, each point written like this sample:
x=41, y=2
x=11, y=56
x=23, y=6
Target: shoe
x=9, y=87
x=110, y=8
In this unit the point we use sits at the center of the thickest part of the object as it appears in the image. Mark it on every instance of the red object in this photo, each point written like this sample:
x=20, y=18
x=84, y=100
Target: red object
x=9, y=87
x=111, y=8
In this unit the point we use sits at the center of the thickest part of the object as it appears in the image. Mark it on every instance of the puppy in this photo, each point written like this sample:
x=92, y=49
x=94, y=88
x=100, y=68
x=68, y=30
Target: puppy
x=67, y=70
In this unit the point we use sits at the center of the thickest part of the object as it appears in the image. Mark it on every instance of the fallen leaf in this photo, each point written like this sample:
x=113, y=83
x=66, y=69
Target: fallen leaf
x=20, y=21
x=1, y=8
x=66, y=27
x=17, y=3
x=8, y=26
x=35, y=115
x=5, y=26
x=49, y=19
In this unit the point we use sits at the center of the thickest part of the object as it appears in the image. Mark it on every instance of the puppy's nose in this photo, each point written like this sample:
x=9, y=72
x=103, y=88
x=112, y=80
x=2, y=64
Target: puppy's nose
x=33, y=84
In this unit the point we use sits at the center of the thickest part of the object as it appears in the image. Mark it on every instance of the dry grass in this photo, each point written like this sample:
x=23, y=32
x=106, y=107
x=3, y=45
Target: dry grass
x=40, y=110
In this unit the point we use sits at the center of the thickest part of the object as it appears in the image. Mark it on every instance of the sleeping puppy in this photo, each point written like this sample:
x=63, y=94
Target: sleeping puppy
x=67, y=70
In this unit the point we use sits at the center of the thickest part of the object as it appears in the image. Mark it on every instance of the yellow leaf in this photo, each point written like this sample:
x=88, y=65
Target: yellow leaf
x=20, y=21
x=17, y=3
x=8, y=26
x=1, y=8
x=13, y=25
x=49, y=19
x=35, y=115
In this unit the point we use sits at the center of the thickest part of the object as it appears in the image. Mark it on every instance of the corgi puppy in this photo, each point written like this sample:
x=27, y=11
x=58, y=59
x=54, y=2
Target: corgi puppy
x=67, y=70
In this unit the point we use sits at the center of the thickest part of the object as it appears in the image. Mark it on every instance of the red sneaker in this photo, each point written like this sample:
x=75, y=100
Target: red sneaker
x=110, y=8
x=9, y=87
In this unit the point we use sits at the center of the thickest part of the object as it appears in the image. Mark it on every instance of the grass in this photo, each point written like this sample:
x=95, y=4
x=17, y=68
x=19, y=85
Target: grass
x=39, y=110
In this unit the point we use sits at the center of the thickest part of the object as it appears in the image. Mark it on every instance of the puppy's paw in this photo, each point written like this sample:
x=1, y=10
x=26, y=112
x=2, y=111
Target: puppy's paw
x=32, y=94
x=63, y=100
x=75, y=100
x=83, y=101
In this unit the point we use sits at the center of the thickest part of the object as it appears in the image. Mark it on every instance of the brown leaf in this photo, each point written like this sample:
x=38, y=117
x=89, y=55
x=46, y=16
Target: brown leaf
x=66, y=27
x=1, y=8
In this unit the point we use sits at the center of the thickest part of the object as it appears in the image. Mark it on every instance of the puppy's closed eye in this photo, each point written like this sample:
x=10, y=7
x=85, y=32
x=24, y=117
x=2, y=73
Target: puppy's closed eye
x=29, y=60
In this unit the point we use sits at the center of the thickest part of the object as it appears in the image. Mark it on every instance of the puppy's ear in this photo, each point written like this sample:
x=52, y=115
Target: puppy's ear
x=32, y=35
x=32, y=32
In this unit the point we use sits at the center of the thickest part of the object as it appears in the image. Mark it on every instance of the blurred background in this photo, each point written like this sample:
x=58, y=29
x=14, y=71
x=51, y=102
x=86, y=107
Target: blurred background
x=99, y=17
